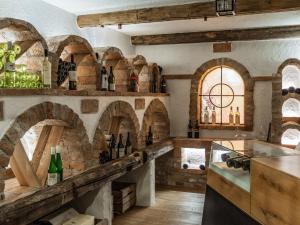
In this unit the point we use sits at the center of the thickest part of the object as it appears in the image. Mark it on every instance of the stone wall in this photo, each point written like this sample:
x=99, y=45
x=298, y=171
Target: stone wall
x=168, y=170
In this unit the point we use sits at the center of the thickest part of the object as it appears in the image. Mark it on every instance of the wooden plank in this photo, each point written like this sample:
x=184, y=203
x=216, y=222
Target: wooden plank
x=178, y=76
x=230, y=191
x=40, y=146
x=262, y=78
x=183, y=12
x=264, y=33
x=274, y=195
x=22, y=168
x=54, y=138
x=221, y=47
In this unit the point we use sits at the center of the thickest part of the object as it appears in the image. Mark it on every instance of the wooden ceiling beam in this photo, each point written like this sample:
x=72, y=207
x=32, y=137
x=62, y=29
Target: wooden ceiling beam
x=219, y=36
x=183, y=12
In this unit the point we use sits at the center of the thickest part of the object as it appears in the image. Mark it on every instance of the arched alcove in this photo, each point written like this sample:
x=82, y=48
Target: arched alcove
x=157, y=117
x=87, y=68
x=141, y=68
x=50, y=123
x=113, y=57
x=208, y=67
x=291, y=108
x=119, y=117
x=32, y=47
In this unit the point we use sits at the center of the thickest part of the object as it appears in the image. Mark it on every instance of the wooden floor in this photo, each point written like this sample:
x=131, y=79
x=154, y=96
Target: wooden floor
x=172, y=207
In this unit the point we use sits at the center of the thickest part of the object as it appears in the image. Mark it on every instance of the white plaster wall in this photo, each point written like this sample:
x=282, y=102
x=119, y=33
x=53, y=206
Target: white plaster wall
x=14, y=106
x=261, y=58
x=51, y=21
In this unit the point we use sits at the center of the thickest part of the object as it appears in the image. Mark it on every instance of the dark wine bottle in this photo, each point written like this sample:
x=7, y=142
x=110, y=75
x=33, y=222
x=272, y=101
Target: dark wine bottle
x=154, y=85
x=112, y=148
x=133, y=82
x=190, y=129
x=196, y=130
x=111, y=80
x=149, y=140
x=72, y=75
x=128, y=145
x=121, y=147
x=163, y=85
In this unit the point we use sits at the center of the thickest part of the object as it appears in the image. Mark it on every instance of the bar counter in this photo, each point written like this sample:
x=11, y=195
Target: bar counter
x=268, y=194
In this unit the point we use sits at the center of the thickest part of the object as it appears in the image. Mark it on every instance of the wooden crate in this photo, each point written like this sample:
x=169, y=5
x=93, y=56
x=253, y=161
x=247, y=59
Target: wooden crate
x=124, y=195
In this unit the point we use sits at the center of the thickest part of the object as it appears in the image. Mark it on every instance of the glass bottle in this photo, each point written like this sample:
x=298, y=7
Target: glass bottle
x=206, y=116
x=121, y=147
x=46, y=70
x=59, y=164
x=128, y=145
x=213, y=116
x=52, y=170
x=237, y=117
x=111, y=80
x=72, y=75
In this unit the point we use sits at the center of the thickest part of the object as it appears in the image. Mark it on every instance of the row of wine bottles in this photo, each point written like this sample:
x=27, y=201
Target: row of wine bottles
x=116, y=149
x=236, y=161
x=290, y=90
x=55, y=169
x=193, y=131
x=211, y=117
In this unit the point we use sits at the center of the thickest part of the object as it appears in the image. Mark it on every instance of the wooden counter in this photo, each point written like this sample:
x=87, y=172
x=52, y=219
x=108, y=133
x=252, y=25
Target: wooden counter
x=275, y=190
x=274, y=197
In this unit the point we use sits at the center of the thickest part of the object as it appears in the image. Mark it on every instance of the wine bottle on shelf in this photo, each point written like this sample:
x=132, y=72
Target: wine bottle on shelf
x=149, y=140
x=59, y=165
x=128, y=145
x=154, y=85
x=213, y=116
x=121, y=147
x=163, y=85
x=196, y=130
x=72, y=75
x=111, y=80
x=206, y=116
x=112, y=148
x=231, y=116
x=52, y=169
x=190, y=129
x=104, y=79
x=46, y=76
x=237, y=117
x=133, y=82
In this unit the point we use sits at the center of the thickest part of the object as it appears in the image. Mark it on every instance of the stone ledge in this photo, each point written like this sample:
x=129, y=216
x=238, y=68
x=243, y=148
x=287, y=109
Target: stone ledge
x=60, y=92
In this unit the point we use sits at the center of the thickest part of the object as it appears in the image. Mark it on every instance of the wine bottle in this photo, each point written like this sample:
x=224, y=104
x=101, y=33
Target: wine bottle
x=112, y=148
x=237, y=117
x=149, y=140
x=133, y=82
x=231, y=116
x=154, y=85
x=196, y=130
x=46, y=70
x=128, y=145
x=206, y=116
x=163, y=85
x=121, y=147
x=59, y=164
x=72, y=75
x=104, y=81
x=190, y=129
x=52, y=170
x=213, y=116
x=111, y=80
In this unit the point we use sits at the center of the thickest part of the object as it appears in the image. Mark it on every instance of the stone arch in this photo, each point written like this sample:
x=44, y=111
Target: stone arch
x=156, y=116
x=117, y=115
x=47, y=112
x=207, y=67
x=109, y=53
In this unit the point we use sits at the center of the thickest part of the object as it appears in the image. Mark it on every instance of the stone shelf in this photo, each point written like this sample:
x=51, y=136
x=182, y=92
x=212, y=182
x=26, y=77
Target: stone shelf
x=62, y=92
x=222, y=127
x=23, y=208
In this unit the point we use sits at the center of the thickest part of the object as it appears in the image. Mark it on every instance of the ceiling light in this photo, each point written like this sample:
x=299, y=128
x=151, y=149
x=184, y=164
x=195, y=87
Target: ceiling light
x=225, y=7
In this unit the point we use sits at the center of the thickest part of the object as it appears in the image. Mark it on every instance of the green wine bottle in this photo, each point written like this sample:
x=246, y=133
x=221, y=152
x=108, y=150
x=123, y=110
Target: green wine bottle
x=59, y=164
x=52, y=170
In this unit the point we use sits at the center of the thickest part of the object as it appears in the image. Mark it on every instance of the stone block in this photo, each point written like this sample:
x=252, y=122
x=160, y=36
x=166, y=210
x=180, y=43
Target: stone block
x=89, y=106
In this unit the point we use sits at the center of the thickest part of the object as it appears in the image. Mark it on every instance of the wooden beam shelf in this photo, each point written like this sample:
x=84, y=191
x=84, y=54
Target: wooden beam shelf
x=63, y=92
x=37, y=202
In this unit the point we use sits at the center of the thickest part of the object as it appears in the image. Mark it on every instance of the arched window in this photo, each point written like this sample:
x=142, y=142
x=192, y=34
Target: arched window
x=221, y=90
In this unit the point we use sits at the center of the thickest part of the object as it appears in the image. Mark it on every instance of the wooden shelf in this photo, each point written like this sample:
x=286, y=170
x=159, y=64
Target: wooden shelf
x=25, y=205
x=62, y=92
x=221, y=127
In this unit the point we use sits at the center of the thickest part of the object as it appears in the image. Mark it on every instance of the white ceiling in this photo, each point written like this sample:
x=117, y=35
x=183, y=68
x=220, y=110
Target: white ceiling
x=93, y=6
x=219, y=23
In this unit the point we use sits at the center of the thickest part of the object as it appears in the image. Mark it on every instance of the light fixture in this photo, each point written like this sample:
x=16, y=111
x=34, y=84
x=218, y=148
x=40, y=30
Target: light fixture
x=225, y=7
